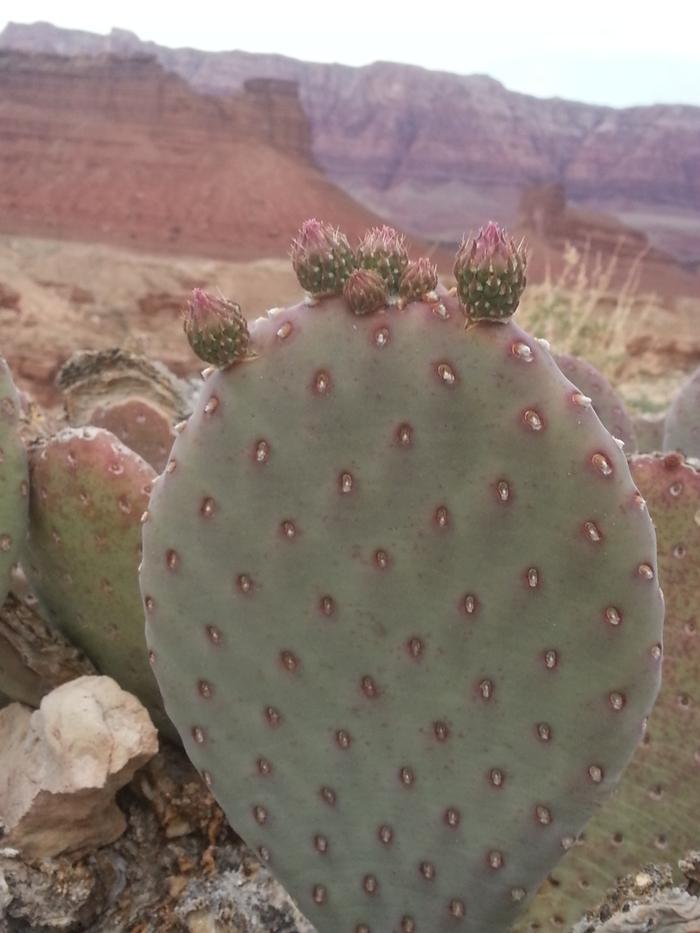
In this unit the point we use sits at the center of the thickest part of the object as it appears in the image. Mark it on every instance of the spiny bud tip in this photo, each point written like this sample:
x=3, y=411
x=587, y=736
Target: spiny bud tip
x=215, y=328
x=322, y=258
x=383, y=250
x=490, y=272
x=419, y=279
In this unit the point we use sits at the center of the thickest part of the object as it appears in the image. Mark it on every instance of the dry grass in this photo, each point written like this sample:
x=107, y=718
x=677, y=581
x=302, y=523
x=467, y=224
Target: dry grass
x=580, y=313
x=584, y=313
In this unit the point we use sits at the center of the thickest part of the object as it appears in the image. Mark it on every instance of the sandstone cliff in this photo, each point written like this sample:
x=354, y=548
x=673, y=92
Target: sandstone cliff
x=119, y=149
x=435, y=152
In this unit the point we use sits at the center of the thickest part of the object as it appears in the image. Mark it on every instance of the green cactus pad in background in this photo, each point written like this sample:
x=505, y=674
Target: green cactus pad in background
x=322, y=258
x=653, y=815
x=607, y=404
x=383, y=250
x=140, y=425
x=14, y=486
x=137, y=400
x=88, y=493
x=682, y=431
x=383, y=577
x=490, y=272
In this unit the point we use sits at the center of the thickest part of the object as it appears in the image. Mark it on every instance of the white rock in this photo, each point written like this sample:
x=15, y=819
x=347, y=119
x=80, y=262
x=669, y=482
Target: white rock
x=61, y=766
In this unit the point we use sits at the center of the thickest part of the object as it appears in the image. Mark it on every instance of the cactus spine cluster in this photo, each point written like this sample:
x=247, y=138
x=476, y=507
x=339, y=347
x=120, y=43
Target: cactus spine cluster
x=401, y=597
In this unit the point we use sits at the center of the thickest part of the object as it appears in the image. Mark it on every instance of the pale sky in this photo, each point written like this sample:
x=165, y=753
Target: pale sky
x=618, y=52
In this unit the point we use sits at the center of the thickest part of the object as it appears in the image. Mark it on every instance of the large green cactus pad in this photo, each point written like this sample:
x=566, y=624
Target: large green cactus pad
x=384, y=576
x=654, y=814
x=13, y=481
x=682, y=429
x=88, y=493
x=607, y=403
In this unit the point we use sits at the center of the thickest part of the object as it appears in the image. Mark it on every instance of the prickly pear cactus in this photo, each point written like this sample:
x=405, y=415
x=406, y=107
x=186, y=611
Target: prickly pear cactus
x=607, y=403
x=13, y=481
x=401, y=594
x=682, y=430
x=653, y=815
x=384, y=579
x=88, y=493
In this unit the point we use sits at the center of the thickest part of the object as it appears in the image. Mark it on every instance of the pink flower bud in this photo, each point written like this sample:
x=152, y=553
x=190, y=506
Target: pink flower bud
x=215, y=328
x=365, y=291
x=322, y=258
x=490, y=273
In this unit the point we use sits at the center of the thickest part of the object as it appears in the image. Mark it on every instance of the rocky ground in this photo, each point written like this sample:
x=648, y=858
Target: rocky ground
x=178, y=868
x=56, y=297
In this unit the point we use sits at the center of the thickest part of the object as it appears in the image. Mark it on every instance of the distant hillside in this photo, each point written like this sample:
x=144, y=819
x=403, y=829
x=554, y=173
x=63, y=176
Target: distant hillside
x=436, y=152
x=119, y=149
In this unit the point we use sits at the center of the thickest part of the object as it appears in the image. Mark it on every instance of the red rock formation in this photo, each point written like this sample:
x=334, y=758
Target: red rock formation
x=550, y=224
x=436, y=152
x=119, y=149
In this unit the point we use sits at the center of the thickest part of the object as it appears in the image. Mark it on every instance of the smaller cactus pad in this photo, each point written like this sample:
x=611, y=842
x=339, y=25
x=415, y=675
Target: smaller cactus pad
x=653, y=814
x=607, y=403
x=14, y=499
x=137, y=400
x=88, y=494
x=141, y=426
x=682, y=430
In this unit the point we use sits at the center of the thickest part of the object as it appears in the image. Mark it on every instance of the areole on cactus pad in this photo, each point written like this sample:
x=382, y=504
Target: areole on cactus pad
x=401, y=595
